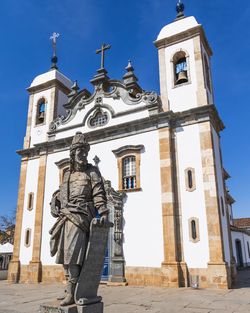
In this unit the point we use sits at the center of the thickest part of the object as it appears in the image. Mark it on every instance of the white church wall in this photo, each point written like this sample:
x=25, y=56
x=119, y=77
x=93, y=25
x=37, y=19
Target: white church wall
x=51, y=185
x=29, y=215
x=143, y=242
x=221, y=195
x=184, y=98
x=192, y=203
x=245, y=241
x=62, y=99
x=39, y=132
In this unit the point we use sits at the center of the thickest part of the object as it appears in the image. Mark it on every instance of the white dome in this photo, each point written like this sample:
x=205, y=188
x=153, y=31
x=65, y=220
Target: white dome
x=177, y=27
x=50, y=75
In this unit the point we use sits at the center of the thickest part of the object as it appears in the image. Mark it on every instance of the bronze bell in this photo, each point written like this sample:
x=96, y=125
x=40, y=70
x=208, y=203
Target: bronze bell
x=182, y=77
x=41, y=115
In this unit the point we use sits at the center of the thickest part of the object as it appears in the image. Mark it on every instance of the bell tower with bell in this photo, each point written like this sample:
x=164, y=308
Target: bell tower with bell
x=184, y=64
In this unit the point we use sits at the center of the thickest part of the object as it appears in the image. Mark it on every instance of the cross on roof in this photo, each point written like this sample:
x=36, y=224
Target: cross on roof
x=102, y=50
x=53, y=37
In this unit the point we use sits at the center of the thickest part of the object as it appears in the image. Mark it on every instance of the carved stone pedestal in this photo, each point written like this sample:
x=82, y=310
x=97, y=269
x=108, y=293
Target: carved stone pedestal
x=54, y=307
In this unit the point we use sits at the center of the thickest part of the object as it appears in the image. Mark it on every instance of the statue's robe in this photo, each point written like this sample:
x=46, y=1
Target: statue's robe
x=80, y=197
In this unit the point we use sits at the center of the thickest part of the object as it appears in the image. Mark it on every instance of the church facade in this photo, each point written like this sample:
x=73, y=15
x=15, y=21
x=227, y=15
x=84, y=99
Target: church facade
x=161, y=160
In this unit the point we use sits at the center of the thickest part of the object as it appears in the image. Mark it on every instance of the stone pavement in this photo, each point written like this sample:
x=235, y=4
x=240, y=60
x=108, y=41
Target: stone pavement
x=25, y=298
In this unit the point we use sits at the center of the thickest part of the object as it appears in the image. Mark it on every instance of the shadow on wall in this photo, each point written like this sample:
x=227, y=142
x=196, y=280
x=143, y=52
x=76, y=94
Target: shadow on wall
x=243, y=279
x=3, y=274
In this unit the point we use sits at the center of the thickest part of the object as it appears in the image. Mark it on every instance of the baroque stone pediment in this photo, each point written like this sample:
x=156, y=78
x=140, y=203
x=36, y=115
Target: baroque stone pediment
x=134, y=97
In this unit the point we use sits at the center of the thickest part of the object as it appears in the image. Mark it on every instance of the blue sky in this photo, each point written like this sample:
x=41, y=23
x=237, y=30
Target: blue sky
x=130, y=27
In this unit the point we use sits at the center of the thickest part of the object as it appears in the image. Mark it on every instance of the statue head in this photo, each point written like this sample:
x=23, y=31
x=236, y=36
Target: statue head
x=79, y=151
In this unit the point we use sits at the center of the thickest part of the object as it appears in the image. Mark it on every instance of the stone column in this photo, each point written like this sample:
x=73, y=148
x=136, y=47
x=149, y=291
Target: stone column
x=170, y=265
x=14, y=266
x=201, y=90
x=163, y=78
x=218, y=275
x=35, y=266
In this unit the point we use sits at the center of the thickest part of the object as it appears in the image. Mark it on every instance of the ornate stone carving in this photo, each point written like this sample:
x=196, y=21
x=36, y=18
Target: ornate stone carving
x=114, y=89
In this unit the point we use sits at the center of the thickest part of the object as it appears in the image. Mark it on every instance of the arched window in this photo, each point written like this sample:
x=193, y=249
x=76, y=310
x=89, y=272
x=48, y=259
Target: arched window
x=129, y=172
x=40, y=114
x=194, y=233
x=27, y=237
x=180, y=68
x=100, y=118
x=190, y=179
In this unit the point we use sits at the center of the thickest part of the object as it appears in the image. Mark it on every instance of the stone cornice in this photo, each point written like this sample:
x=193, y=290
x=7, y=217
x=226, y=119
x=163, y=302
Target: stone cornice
x=154, y=122
x=49, y=84
x=241, y=230
x=187, y=34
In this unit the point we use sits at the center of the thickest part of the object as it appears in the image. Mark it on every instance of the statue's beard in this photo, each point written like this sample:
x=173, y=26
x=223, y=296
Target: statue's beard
x=80, y=162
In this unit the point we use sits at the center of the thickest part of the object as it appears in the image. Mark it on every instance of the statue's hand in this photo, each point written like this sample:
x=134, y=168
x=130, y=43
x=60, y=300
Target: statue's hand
x=104, y=219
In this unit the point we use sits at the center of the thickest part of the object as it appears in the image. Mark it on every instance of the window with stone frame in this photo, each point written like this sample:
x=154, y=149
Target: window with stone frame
x=100, y=118
x=30, y=201
x=128, y=161
x=63, y=166
x=194, y=232
x=27, y=237
x=40, y=111
x=180, y=68
x=190, y=179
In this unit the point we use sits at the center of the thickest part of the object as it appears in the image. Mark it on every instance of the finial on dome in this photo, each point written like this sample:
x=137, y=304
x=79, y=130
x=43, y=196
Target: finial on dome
x=180, y=9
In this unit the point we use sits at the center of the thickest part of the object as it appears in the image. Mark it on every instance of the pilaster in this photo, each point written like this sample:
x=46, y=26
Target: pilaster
x=14, y=266
x=170, y=264
x=217, y=267
x=26, y=143
x=163, y=78
x=35, y=264
x=201, y=92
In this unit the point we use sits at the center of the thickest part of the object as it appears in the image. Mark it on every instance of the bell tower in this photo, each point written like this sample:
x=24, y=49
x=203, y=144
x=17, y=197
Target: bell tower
x=192, y=187
x=184, y=64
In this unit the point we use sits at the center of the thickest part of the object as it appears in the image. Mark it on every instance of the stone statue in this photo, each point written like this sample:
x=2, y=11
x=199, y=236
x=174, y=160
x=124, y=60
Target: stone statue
x=80, y=197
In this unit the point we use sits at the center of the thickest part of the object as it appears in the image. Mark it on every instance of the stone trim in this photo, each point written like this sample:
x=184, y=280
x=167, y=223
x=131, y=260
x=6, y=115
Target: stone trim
x=187, y=179
x=26, y=143
x=197, y=226
x=188, y=34
x=159, y=121
x=170, y=264
x=50, y=84
x=37, y=239
x=14, y=266
x=201, y=93
x=163, y=79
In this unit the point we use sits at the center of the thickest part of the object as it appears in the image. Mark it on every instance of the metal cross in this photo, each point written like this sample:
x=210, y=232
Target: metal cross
x=53, y=37
x=103, y=48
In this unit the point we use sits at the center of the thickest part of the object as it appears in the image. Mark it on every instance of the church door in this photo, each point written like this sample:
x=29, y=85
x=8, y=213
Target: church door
x=239, y=253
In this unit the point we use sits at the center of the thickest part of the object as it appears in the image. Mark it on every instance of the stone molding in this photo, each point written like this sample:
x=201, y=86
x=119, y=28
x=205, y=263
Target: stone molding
x=185, y=35
x=161, y=120
x=50, y=84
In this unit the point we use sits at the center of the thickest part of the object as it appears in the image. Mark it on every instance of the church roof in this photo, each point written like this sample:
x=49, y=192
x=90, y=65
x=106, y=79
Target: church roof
x=178, y=26
x=49, y=76
x=242, y=222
